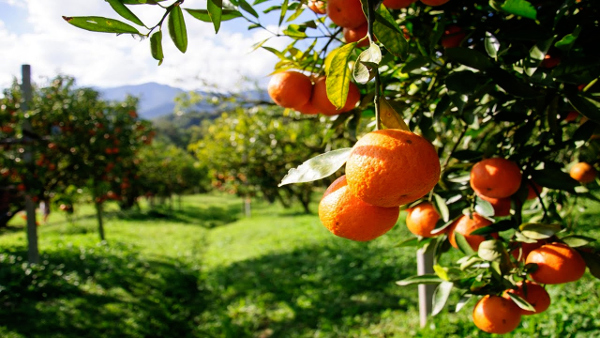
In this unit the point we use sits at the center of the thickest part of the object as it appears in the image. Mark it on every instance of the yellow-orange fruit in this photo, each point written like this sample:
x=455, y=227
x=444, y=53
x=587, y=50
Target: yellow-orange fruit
x=392, y=167
x=421, y=220
x=494, y=314
x=583, y=172
x=557, y=263
x=346, y=13
x=465, y=225
x=495, y=177
x=290, y=89
x=355, y=34
x=534, y=294
x=349, y=217
x=397, y=4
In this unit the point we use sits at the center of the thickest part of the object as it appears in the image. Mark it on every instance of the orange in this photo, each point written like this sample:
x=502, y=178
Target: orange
x=534, y=294
x=290, y=89
x=321, y=102
x=453, y=36
x=494, y=314
x=501, y=205
x=308, y=109
x=557, y=263
x=421, y=220
x=355, y=34
x=397, y=4
x=392, y=167
x=571, y=116
x=317, y=6
x=346, y=13
x=495, y=177
x=533, y=189
x=349, y=217
x=434, y=3
x=583, y=172
x=464, y=226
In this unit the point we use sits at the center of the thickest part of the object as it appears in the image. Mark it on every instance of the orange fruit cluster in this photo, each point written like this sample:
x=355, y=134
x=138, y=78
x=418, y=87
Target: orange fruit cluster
x=385, y=169
x=295, y=90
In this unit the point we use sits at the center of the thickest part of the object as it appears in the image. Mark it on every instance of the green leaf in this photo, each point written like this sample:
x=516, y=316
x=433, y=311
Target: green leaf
x=409, y=242
x=503, y=225
x=177, y=29
x=317, y=167
x=441, y=272
x=511, y=84
x=483, y=207
x=520, y=7
x=124, y=12
x=248, y=8
x=462, y=244
x=575, y=241
x=156, y=47
x=215, y=12
x=554, y=178
x=537, y=53
x=522, y=303
x=202, y=14
x=415, y=63
x=100, y=24
x=568, y=40
x=491, y=250
x=141, y=2
x=592, y=261
x=422, y=279
x=388, y=33
x=441, y=206
x=338, y=75
x=469, y=57
x=539, y=230
x=366, y=64
x=295, y=31
x=468, y=261
x=283, y=11
x=463, y=301
x=492, y=45
x=462, y=82
x=587, y=107
x=440, y=297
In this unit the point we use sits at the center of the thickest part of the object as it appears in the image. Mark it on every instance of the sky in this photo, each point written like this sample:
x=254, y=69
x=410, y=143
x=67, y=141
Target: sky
x=33, y=32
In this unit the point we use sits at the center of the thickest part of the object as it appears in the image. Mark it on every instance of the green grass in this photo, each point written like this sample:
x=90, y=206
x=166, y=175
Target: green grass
x=205, y=270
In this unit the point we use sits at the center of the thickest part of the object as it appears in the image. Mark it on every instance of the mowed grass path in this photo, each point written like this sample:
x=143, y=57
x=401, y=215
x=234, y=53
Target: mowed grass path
x=205, y=270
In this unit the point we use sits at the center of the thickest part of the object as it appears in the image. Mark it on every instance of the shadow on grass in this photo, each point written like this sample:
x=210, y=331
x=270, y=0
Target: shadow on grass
x=204, y=216
x=318, y=290
x=105, y=291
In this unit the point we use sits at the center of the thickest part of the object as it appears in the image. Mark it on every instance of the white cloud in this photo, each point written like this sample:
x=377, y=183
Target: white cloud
x=54, y=47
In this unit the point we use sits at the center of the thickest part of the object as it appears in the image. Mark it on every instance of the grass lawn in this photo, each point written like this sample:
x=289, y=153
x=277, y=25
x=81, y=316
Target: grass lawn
x=205, y=270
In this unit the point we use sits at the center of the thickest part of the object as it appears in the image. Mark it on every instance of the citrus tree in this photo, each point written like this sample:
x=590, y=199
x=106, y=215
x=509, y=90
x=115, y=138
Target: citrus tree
x=479, y=117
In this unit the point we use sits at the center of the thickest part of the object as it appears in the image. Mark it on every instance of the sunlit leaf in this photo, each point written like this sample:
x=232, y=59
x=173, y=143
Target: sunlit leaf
x=248, y=8
x=492, y=45
x=491, y=250
x=177, y=29
x=421, y=279
x=539, y=230
x=462, y=302
x=441, y=206
x=317, y=167
x=575, y=241
x=338, y=75
x=440, y=297
x=522, y=303
x=441, y=272
x=390, y=117
x=462, y=244
x=367, y=63
x=568, y=40
x=520, y=7
x=124, y=12
x=202, y=14
x=100, y=24
x=483, y=207
x=388, y=33
x=215, y=12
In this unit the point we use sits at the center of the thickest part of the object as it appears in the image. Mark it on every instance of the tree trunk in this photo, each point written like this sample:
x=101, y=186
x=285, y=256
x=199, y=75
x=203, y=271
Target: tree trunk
x=100, y=222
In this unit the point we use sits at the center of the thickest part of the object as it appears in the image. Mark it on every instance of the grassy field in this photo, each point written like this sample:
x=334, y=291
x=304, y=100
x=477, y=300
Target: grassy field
x=205, y=270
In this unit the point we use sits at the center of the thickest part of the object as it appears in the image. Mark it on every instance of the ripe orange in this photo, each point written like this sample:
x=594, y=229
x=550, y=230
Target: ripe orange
x=464, y=226
x=355, y=34
x=501, y=205
x=557, y=263
x=495, y=177
x=571, y=116
x=321, y=102
x=392, y=167
x=534, y=294
x=290, y=89
x=494, y=314
x=346, y=13
x=434, y=3
x=583, y=172
x=421, y=219
x=453, y=36
x=308, y=109
x=397, y=4
x=533, y=190
x=317, y=6
x=349, y=217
